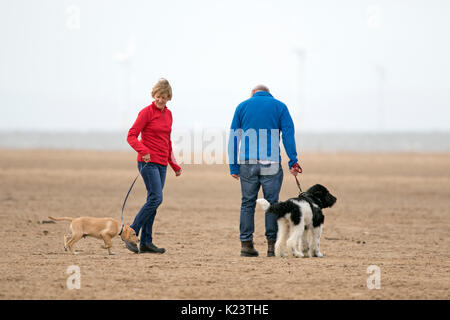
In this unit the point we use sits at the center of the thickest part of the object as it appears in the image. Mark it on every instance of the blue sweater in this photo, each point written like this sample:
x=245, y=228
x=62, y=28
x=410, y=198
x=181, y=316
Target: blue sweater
x=256, y=128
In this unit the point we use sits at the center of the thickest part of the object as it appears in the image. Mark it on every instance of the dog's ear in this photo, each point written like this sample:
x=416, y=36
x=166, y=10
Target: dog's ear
x=126, y=232
x=319, y=191
x=131, y=235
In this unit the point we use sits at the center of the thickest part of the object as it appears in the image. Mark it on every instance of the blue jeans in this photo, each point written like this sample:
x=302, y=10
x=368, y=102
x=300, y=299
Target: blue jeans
x=252, y=176
x=154, y=176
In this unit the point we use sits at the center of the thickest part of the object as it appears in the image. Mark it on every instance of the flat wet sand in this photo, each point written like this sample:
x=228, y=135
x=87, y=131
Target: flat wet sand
x=392, y=212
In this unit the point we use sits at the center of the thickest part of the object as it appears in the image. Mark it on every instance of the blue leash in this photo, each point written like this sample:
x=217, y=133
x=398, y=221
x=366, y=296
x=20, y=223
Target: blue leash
x=129, y=190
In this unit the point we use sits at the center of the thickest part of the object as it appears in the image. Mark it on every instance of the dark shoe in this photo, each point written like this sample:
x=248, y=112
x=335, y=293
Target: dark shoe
x=151, y=248
x=247, y=249
x=131, y=246
x=271, y=248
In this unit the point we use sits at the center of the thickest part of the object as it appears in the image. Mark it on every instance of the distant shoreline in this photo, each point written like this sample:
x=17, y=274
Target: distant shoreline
x=312, y=142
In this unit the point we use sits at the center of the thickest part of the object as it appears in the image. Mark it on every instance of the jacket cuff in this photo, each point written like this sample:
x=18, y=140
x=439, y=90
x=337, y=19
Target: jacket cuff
x=234, y=169
x=174, y=166
x=292, y=162
x=144, y=152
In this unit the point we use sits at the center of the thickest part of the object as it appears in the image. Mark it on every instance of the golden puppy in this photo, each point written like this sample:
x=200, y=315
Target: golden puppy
x=100, y=228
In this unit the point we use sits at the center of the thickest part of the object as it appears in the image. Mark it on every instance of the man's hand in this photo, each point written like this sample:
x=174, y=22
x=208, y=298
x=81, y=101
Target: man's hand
x=296, y=169
x=178, y=173
x=236, y=176
x=146, y=158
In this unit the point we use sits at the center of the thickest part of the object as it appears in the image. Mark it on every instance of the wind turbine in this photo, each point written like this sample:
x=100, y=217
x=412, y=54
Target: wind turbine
x=300, y=53
x=374, y=23
x=126, y=79
x=380, y=71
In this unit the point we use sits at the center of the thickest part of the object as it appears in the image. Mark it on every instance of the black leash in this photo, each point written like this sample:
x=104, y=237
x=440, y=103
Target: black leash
x=298, y=184
x=129, y=190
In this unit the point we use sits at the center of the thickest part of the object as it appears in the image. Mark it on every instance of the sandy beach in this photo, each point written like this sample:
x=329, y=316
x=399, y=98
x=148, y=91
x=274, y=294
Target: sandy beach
x=392, y=212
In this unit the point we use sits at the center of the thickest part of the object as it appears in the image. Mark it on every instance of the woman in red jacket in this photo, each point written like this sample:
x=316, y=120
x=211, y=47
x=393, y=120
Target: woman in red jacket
x=154, y=124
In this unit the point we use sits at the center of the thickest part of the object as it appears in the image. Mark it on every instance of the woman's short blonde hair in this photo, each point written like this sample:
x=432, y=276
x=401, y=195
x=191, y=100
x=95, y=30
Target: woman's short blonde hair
x=162, y=87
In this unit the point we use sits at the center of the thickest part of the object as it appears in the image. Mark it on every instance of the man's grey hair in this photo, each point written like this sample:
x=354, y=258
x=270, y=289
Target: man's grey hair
x=260, y=87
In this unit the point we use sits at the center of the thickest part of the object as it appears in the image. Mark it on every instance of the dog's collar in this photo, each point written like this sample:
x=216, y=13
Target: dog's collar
x=310, y=198
x=121, y=229
x=317, y=201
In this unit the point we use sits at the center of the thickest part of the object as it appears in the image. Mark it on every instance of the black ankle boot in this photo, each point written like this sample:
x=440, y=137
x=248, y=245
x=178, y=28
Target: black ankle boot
x=151, y=248
x=248, y=250
x=271, y=248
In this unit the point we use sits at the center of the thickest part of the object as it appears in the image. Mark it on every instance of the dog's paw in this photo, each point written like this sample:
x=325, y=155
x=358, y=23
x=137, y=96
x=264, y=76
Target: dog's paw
x=318, y=254
x=298, y=255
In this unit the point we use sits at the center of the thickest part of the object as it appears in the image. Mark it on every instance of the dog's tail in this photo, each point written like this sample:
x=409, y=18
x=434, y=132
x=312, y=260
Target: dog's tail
x=62, y=219
x=263, y=203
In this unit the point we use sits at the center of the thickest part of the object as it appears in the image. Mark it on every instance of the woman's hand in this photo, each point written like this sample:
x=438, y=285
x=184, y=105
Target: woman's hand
x=146, y=158
x=178, y=173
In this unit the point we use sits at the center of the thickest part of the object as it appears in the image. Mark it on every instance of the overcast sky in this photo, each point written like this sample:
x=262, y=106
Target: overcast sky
x=348, y=65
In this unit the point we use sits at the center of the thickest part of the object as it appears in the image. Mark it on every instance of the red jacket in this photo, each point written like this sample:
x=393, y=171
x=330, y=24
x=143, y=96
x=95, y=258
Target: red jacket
x=155, y=127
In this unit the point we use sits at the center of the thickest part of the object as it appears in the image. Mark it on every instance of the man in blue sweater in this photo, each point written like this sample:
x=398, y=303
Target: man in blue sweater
x=255, y=160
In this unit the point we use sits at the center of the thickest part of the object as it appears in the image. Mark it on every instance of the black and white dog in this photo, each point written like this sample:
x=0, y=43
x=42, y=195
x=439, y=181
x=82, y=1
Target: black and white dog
x=296, y=217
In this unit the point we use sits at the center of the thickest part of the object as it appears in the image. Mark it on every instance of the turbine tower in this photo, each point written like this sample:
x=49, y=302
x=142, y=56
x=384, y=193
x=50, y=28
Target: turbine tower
x=374, y=22
x=126, y=79
x=380, y=71
x=300, y=53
